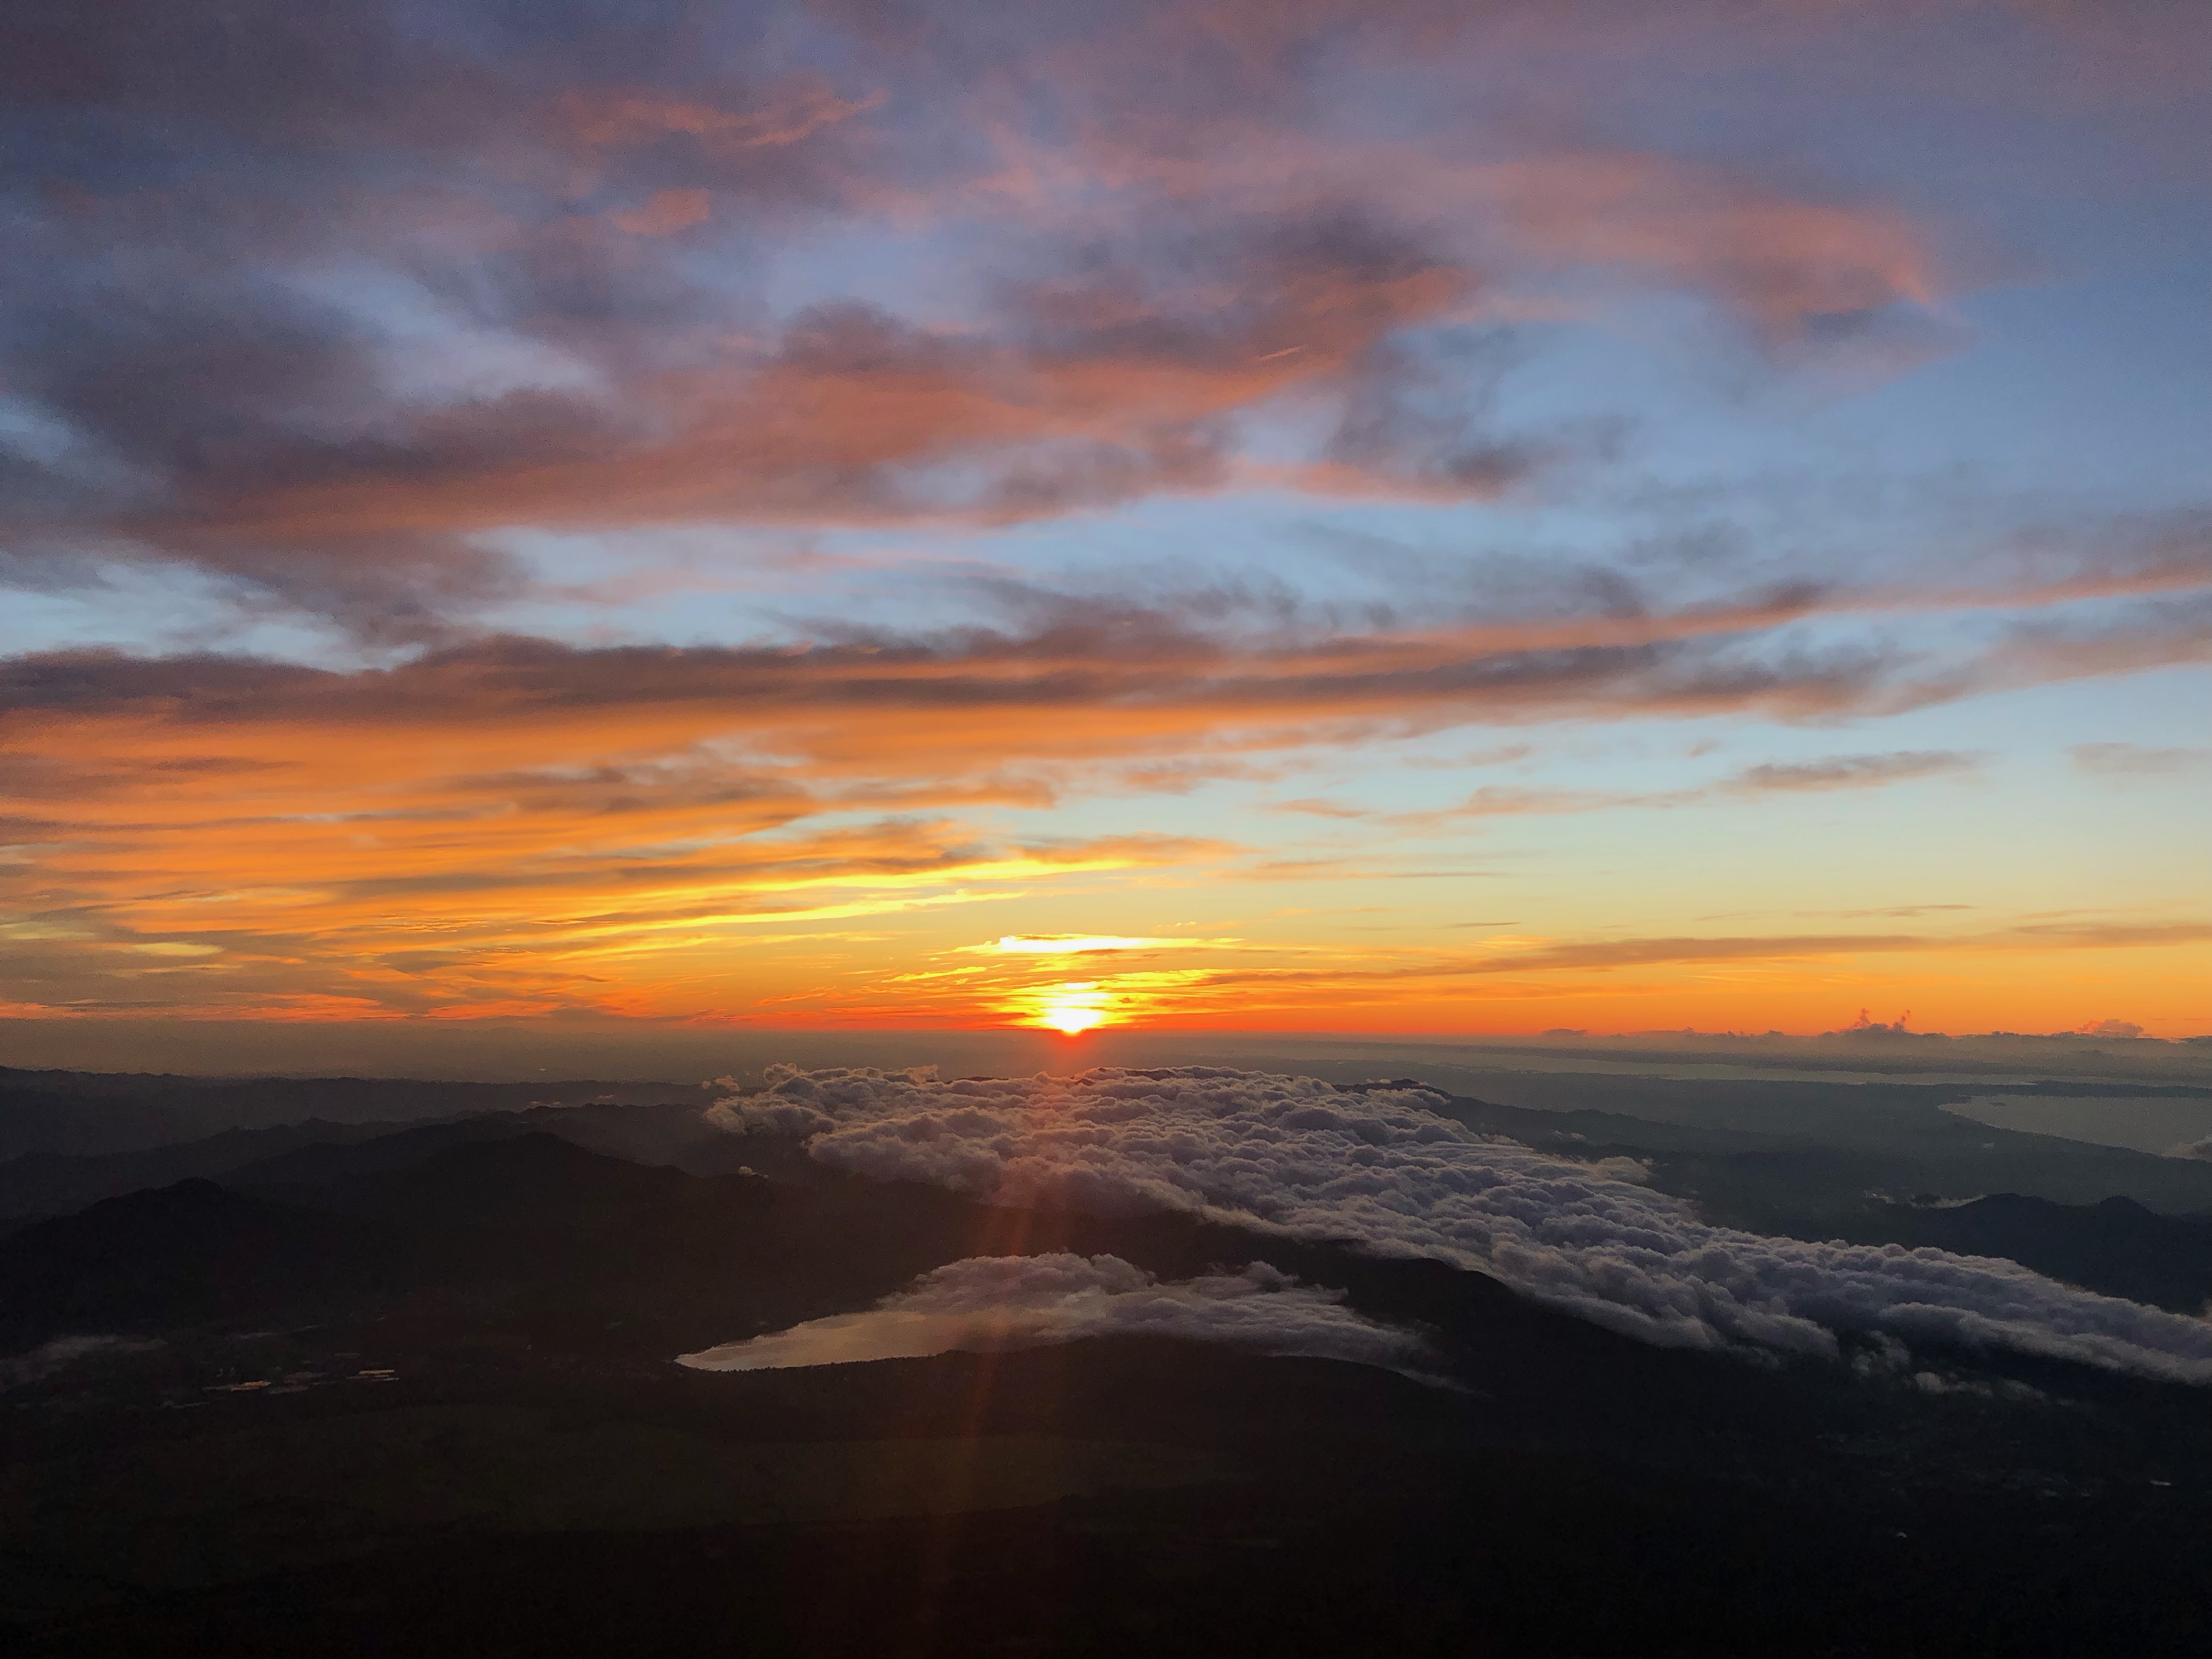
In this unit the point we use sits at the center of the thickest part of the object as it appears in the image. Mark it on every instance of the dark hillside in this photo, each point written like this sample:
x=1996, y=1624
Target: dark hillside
x=2117, y=1247
x=1889, y=1136
x=175, y=1256
x=92, y=1112
x=54, y=1183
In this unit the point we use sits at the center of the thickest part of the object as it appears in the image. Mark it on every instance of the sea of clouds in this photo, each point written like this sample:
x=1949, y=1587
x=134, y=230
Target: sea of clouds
x=988, y=1303
x=1380, y=1170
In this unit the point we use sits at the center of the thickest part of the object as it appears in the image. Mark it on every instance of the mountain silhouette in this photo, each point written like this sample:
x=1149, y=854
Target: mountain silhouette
x=178, y=1256
x=2118, y=1247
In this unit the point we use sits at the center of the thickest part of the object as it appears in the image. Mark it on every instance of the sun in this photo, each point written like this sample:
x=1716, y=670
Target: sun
x=1072, y=1009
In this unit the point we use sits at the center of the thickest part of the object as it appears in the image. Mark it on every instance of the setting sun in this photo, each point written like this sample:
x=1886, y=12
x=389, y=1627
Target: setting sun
x=1072, y=1009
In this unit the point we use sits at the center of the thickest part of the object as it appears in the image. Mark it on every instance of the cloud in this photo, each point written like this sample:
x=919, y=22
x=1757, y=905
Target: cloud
x=1378, y=1169
x=1852, y=771
x=1833, y=772
x=1507, y=801
x=1094, y=681
x=330, y=296
x=1073, y=944
x=2163, y=633
x=989, y=1303
x=2133, y=760
x=2109, y=1028
x=1908, y=910
x=616, y=116
x=2112, y=935
x=577, y=895
x=515, y=823
x=666, y=212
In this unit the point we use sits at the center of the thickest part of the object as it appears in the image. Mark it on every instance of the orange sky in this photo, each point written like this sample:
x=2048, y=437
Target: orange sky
x=1396, y=517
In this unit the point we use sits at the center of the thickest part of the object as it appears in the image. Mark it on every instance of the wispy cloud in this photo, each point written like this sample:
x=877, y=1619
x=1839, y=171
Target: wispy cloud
x=1852, y=771
x=1831, y=773
x=1079, y=944
x=2133, y=760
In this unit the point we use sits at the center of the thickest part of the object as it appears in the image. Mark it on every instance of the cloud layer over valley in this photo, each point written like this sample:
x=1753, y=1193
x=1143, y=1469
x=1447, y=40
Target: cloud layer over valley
x=1377, y=1169
x=990, y=1302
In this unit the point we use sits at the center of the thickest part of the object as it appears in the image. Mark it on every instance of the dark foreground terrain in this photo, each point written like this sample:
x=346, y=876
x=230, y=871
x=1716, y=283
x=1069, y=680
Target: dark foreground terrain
x=1106, y=1497
x=415, y=1396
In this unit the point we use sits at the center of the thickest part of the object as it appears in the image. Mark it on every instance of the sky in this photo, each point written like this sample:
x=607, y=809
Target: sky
x=1480, y=517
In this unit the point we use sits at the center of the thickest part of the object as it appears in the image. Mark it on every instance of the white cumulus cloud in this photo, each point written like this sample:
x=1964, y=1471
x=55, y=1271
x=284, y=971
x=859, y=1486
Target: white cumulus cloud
x=994, y=1301
x=1382, y=1171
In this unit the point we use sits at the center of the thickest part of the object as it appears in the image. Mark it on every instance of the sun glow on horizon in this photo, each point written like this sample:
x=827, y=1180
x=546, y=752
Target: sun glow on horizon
x=1070, y=1007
